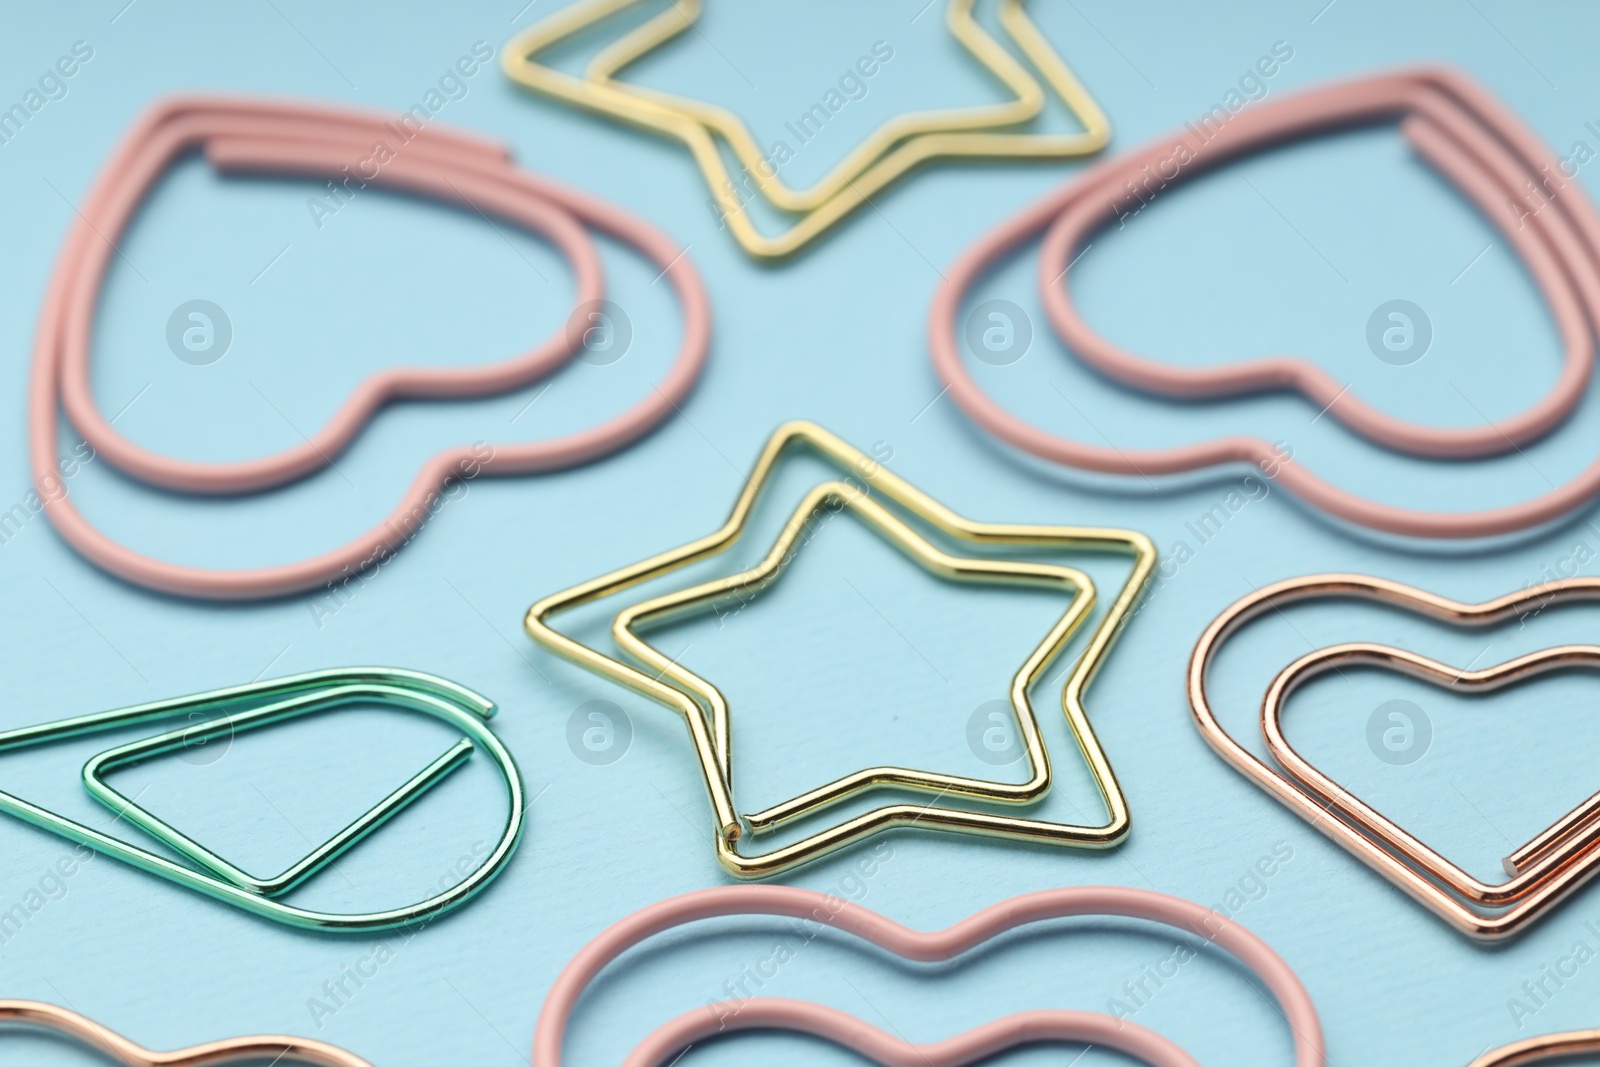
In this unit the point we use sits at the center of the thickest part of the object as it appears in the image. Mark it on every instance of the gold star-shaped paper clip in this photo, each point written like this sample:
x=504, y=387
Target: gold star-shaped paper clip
x=708, y=722
x=896, y=147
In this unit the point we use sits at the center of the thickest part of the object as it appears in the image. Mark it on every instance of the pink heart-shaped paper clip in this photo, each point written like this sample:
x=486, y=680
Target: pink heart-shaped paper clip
x=930, y=946
x=313, y=140
x=1471, y=139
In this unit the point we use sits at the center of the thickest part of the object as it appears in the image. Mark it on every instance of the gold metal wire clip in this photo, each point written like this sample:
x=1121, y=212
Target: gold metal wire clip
x=708, y=722
x=896, y=147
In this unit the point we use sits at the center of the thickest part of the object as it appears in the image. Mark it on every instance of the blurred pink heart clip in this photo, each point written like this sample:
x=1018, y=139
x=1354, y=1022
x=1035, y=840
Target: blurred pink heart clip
x=937, y=945
x=302, y=139
x=1470, y=138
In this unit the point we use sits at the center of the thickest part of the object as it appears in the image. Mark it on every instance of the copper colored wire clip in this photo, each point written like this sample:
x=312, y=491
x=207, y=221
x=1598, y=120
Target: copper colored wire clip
x=1543, y=1049
x=1541, y=873
x=233, y=1050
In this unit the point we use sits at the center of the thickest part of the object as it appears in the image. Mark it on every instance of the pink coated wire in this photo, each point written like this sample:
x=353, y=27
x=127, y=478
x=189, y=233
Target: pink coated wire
x=1460, y=130
x=801, y=1017
x=275, y=137
x=979, y=1043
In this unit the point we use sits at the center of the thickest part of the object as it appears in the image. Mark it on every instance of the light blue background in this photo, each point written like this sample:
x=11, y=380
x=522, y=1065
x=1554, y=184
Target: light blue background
x=820, y=684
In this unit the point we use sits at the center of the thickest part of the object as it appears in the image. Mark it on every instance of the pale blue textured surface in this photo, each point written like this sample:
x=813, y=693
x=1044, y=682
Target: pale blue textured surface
x=819, y=682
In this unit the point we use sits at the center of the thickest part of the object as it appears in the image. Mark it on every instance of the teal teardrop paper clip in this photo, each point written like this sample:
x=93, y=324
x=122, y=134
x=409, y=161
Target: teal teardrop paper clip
x=288, y=698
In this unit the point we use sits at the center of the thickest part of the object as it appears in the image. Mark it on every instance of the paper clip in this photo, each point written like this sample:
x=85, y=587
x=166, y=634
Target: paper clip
x=837, y=497
x=1541, y=1049
x=955, y=132
x=234, y=1050
x=307, y=140
x=815, y=1020
x=254, y=705
x=1457, y=127
x=677, y=689
x=892, y=150
x=1541, y=873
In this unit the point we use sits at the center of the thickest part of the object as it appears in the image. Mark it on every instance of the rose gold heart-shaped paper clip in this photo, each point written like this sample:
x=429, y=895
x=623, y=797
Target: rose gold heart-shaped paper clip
x=1543, y=1049
x=1543, y=872
x=234, y=1050
x=1530, y=866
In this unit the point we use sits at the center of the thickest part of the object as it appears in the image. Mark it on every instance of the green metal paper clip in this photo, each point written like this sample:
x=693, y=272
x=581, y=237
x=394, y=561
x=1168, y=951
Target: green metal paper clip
x=272, y=702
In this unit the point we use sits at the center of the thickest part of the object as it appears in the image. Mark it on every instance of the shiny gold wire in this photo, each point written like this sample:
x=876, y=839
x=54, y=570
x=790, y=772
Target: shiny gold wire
x=894, y=149
x=711, y=739
x=1028, y=103
x=836, y=497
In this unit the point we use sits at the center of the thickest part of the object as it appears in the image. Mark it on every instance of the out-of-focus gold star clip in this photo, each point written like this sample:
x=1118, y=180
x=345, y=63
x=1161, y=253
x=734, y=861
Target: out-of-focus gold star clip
x=897, y=146
x=706, y=712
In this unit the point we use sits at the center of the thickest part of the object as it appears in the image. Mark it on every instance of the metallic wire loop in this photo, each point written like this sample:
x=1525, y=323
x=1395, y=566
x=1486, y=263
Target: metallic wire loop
x=234, y=1050
x=894, y=149
x=1530, y=866
x=841, y=497
x=1545, y=1048
x=1543, y=872
x=1028, y=99
x=708, y=723
x=254, y=705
